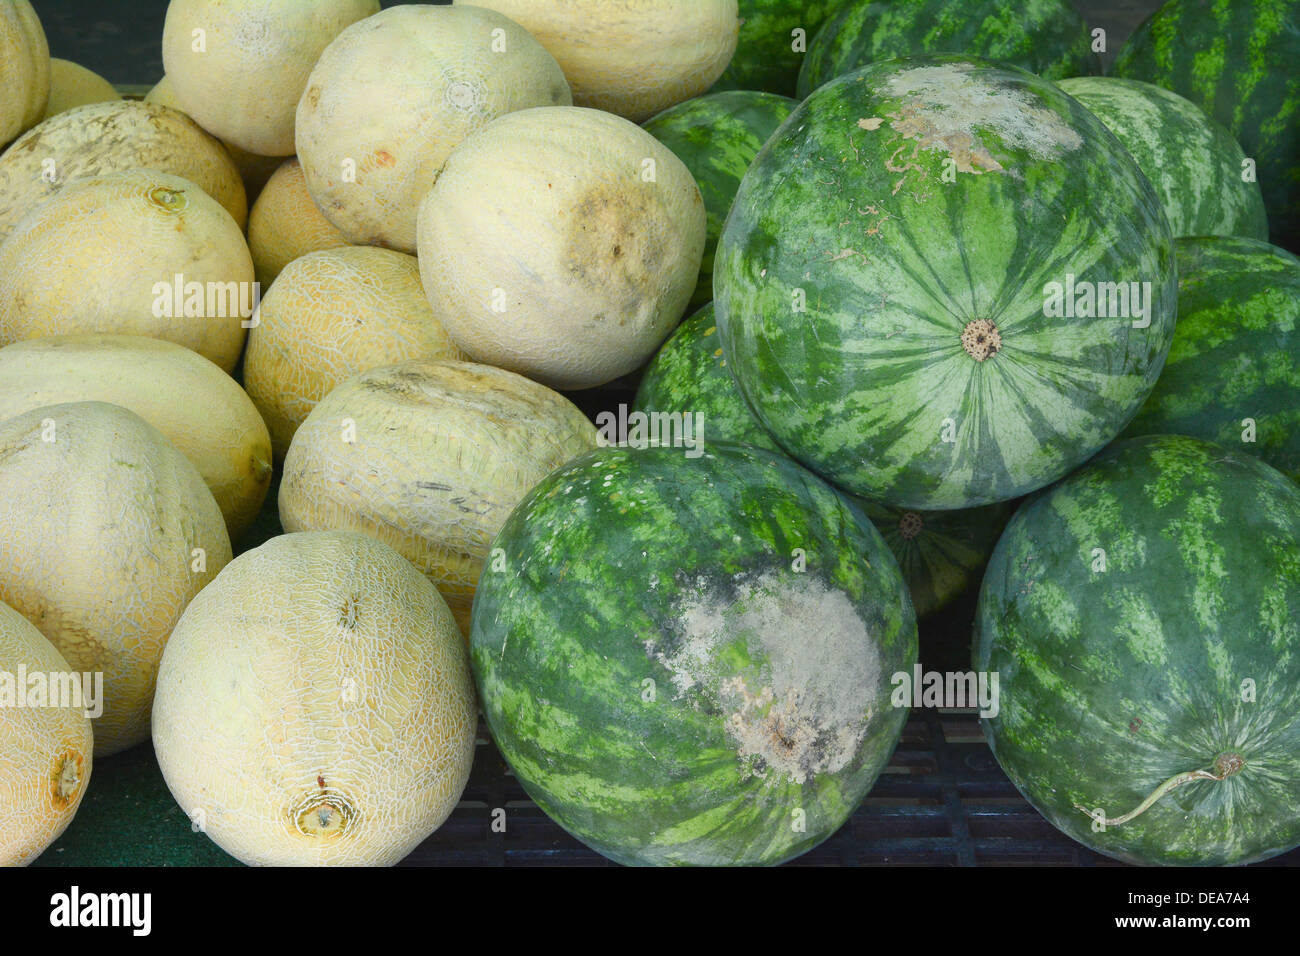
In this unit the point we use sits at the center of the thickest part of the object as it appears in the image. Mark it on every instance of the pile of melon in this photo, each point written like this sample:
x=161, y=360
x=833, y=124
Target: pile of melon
x=386, y=367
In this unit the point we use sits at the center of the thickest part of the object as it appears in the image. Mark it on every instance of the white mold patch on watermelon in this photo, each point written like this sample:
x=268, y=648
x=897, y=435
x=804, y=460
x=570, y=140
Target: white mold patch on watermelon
x=946, y=108
x=788, y=662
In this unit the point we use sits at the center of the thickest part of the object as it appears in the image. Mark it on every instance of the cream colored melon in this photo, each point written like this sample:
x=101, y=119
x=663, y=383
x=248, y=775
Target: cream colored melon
x=106, y=533
x=431, y=458
x=254, y=170
x=285, y=224
x=315, y=705
x=113, y=137
x=45, y=744
x=331, y=315
x=24, y=69
x=394, y=94
x=239, y=66
x=104, y=256
x=72, y=85
x=561, y=243
x=197, y=407
x=632, y=57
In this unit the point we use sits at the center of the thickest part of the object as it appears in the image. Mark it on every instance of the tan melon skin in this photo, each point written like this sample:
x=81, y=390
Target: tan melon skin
x=632, y=57
x=285, y=224
x=88, y=260
x=547, y=213
x=72, y=85
x=315, y=705
x=24, y=69
x=110, y=137
x=45, y=752
x=332, y=315
x=96, y=536
x=197, y=407
x=245, y=86
x=254, y=170
x=443, y=452
x=394, y=94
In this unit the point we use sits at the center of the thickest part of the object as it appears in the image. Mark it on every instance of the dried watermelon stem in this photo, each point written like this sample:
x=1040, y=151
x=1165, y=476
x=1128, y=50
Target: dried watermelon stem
x=1225, y=765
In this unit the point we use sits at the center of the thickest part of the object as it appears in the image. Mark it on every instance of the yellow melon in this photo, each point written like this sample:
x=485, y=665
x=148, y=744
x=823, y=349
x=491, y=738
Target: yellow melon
x=561, y=243
x=285, y=223
x=112, y=137
x=634, y=59
x=239, y=66
x=254, y=170
x=394, y=94
x=331, y=315
x=45, y=741
x=315, y=705
x=107, y=533
x=72, y=85
x=138, y=252
x=200, y=409
x=24, y=69
x=431, y=458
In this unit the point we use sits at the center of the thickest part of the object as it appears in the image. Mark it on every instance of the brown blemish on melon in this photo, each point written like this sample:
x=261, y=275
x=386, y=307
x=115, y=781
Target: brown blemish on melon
x=66, y=779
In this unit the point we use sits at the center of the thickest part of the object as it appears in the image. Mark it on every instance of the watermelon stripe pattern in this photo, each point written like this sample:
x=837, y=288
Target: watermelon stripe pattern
x=886, y=284
x=1143, y=617
x=1192, y=161
x=1238, y=62
x=667, y=677
x=774, y=37
x=1233, y=372
x=1047, y=37
x=717, y=136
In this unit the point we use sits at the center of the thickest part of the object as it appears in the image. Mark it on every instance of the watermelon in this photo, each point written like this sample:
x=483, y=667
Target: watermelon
x=1240, y=62
x=1047, y=37
x=1193, y=162
x=774, y=36
x=1143, y=620
x=941, y=553
x=688, y=661
x=717, y=136
x=1233, y=372
x=689, y=374
x=944, y=283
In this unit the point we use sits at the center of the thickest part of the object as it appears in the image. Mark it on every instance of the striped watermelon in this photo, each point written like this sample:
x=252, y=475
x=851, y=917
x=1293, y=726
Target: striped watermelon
x=1233, y=372
x=941, y=553
x=1047, y=37
x=1143, y=618
x=774, y=36
x=1240, y=62
x=717, y=136
x=688, y=661
x=887, y=284
x=1193, y=162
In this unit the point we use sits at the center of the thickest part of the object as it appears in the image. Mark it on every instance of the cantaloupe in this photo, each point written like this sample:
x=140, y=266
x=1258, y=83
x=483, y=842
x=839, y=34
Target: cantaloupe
x=112, y=137
x=138, y=252
x=331, y=315
x=46, y=745
x=315, y=705
x=632, y=58
x=197, y=407
x=239, y=66
x=285, y=223
x=431, y=458
x=395, y=93
x=24, y=69
x=106, y=533
x=254, y=170
x=72, y=85
x=561, y=243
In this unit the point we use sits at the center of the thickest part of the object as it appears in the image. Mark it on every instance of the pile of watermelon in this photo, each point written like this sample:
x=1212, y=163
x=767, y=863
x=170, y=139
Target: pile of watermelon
x=982, y=341
x=966, y=277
